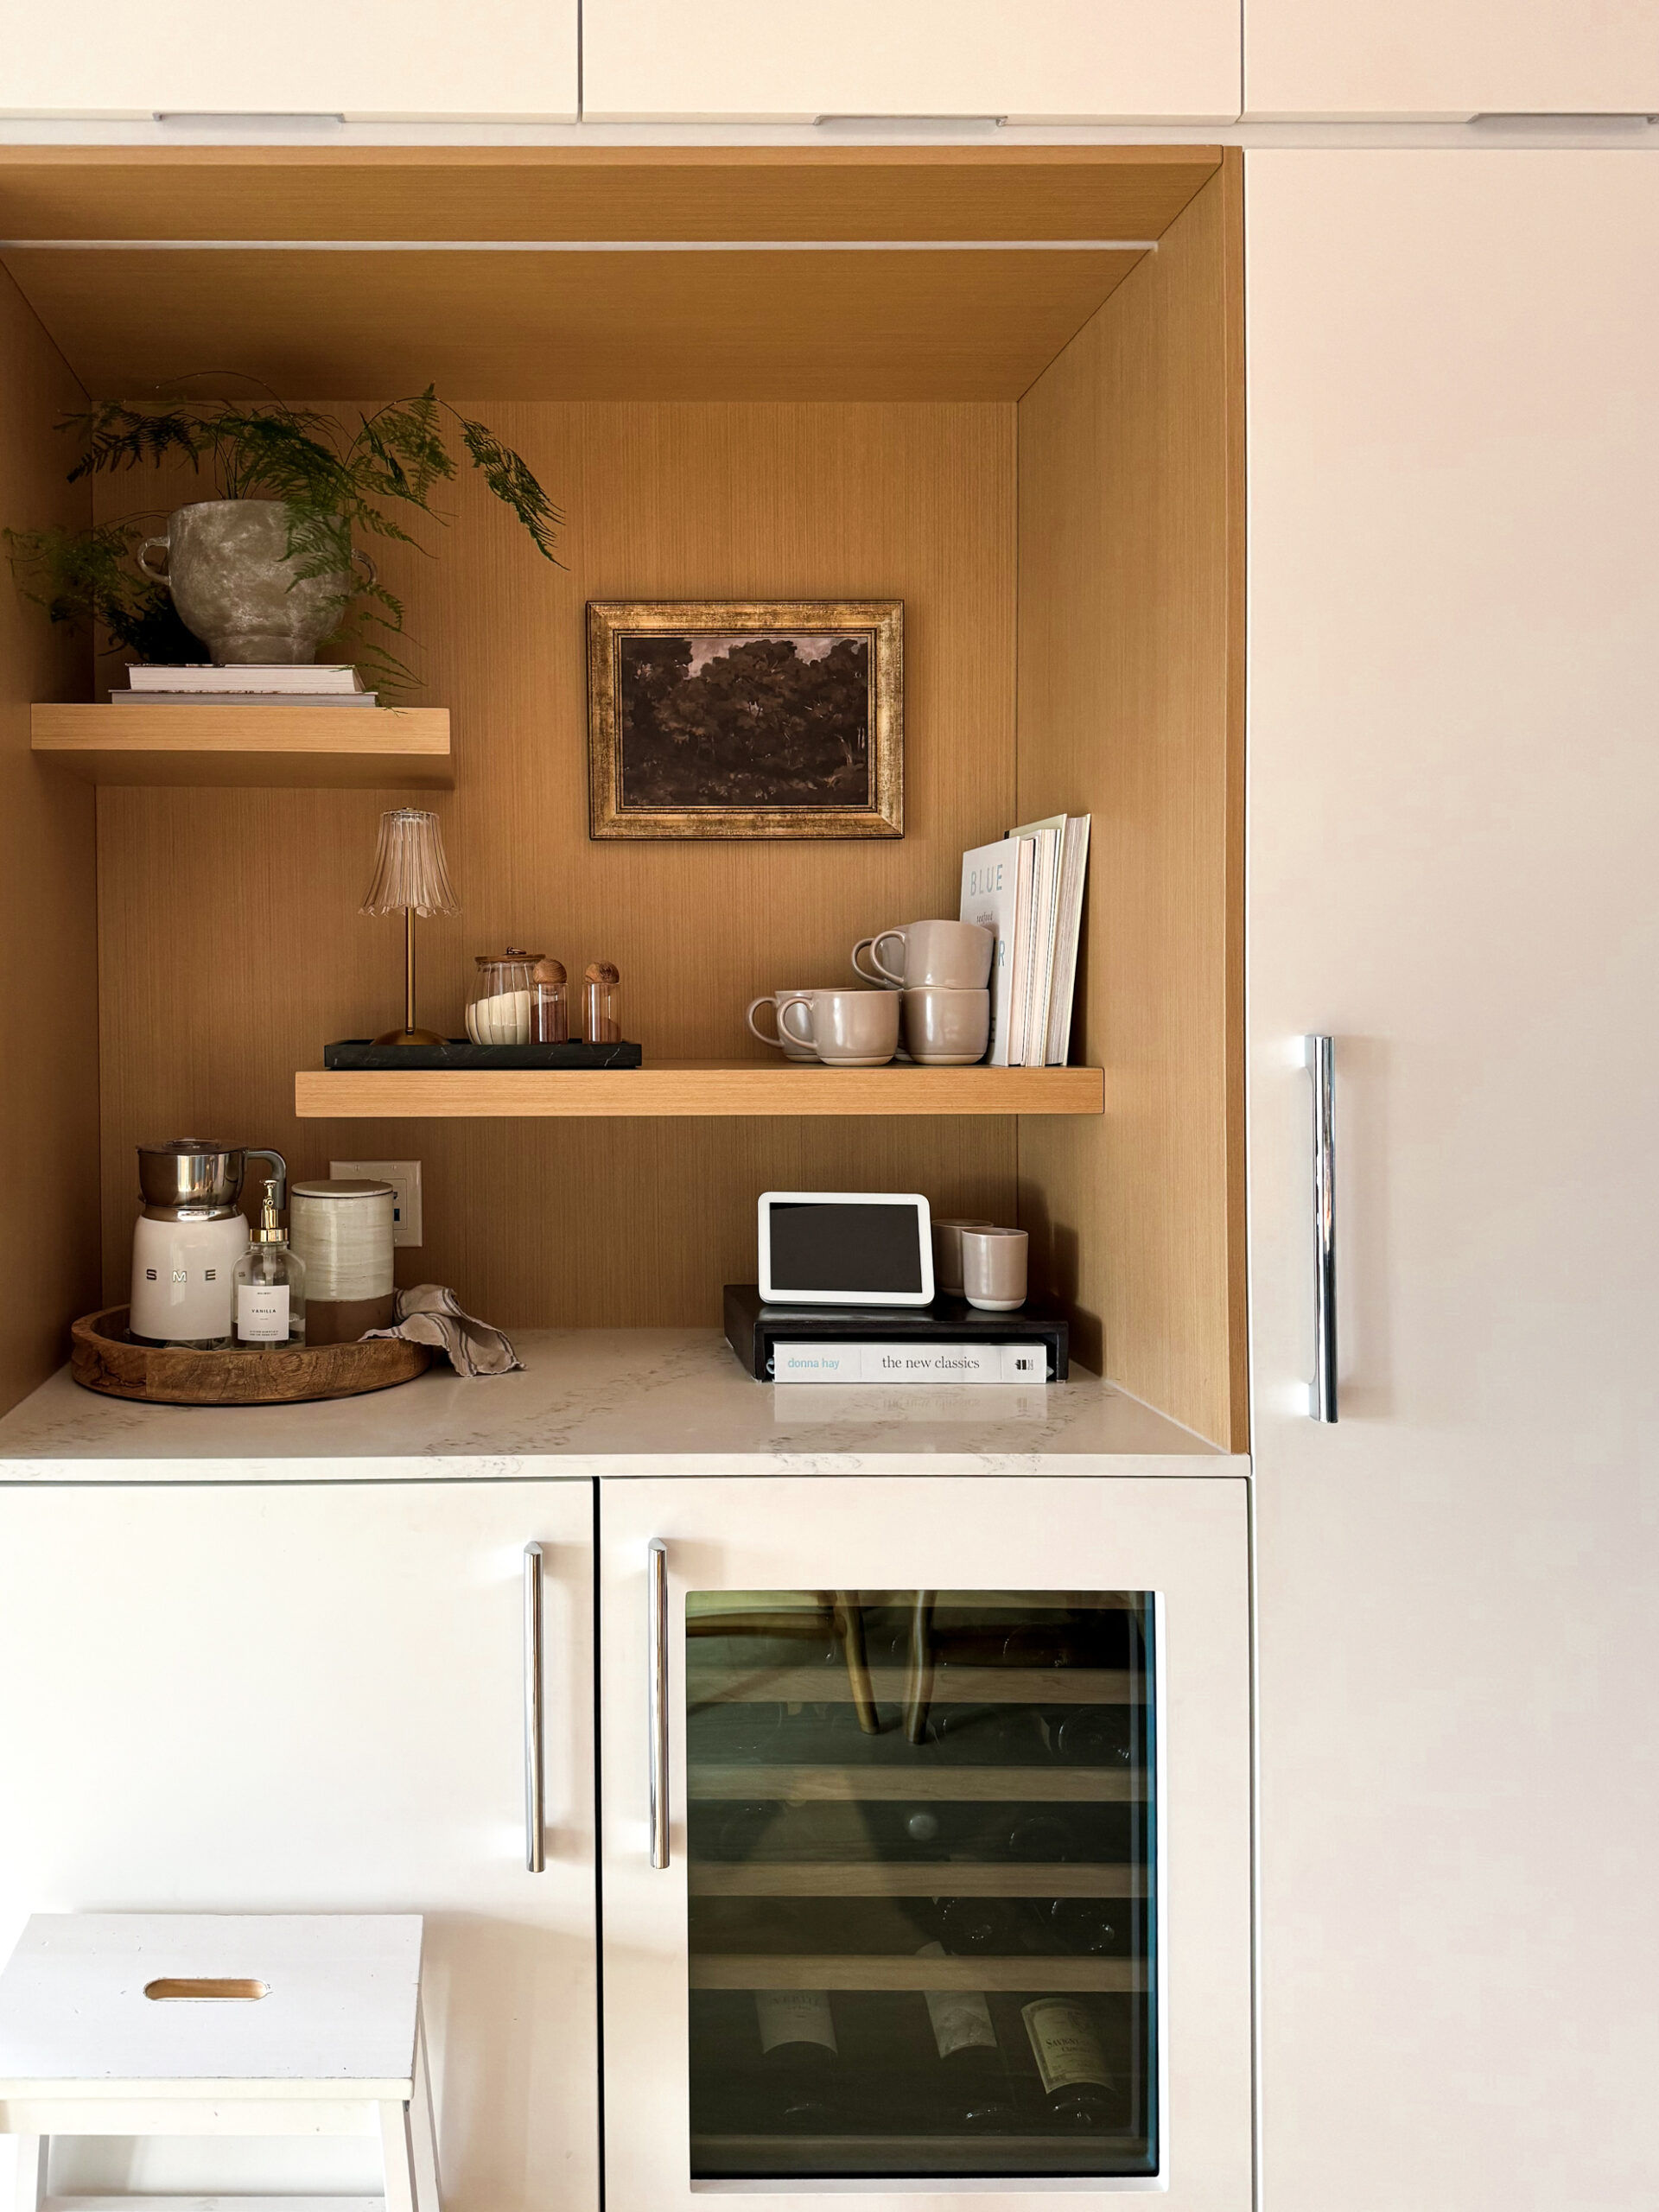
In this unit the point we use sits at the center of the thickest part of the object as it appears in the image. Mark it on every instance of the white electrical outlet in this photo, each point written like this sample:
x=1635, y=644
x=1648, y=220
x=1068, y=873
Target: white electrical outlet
x=404, y=1177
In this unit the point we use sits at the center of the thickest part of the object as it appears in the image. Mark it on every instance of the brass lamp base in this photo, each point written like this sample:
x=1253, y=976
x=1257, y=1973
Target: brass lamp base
x=410, y=1037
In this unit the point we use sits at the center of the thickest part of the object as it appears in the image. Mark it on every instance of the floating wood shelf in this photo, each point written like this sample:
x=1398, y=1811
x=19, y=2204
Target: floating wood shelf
x=850, y=1970
x=258, y=748
x=925, y=1878
x=690, y=1087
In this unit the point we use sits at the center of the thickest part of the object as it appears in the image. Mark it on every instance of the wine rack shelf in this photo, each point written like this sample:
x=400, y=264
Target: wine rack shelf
x=1038, y=1686
x=847, y=1970
x=922, y=1878
x=958, y=1784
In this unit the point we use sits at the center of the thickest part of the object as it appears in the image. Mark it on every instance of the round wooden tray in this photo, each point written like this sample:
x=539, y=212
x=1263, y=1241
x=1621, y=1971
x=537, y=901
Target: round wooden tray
x=101, y=1358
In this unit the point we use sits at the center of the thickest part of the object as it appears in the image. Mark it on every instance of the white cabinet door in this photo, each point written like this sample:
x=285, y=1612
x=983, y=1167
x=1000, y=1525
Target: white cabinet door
x=435, y=58
x=309, y=1697
x=781, y=61
x=1042, y=1802
x=1450, y=58
x=1454, y=810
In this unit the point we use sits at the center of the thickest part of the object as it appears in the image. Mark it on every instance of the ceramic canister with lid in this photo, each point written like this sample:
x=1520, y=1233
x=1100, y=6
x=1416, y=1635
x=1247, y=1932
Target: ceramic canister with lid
x=342, y=1231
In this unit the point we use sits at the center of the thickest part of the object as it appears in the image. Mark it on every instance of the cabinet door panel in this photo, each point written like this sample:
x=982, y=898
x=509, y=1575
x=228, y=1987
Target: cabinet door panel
x=435, y=58
x=309, y=1697
x=1050, y=61
x=1454, y=805
x=1049, y=1806
x=1450, y=58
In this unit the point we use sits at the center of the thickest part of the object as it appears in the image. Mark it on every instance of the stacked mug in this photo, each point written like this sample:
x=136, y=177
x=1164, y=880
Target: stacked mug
x=933, y=993
x=941, y=972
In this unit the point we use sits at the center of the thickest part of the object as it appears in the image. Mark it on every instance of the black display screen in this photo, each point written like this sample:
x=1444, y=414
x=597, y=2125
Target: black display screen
x=872, y=1249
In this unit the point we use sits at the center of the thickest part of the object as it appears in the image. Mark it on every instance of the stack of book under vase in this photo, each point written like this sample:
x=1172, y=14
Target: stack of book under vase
x=309, y=683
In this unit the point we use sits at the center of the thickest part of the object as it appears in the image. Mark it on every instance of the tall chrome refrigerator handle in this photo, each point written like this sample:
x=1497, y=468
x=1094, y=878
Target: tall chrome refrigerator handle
x=535, y=1774
x=657, y=1694
x=1322, y=1395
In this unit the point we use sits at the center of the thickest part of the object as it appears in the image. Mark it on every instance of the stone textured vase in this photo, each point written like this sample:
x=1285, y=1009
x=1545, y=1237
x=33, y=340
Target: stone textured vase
x=236, y=586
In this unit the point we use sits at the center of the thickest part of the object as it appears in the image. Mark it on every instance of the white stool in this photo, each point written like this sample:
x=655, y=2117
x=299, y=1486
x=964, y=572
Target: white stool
x=221, y=2023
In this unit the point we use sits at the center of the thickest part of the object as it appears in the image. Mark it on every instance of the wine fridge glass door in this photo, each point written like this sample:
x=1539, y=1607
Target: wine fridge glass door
x=922, y=1875
x=926, y=1840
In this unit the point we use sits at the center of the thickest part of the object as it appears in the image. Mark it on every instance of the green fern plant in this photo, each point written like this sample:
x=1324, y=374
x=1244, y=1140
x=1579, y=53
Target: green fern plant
x=337, y=483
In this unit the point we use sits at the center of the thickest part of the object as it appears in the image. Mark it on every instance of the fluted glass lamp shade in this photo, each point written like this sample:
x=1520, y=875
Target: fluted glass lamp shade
x=410, y=869
x=410, y=877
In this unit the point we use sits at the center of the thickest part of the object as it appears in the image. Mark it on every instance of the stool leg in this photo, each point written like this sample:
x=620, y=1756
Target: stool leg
x=397, y=2159
x=29, y=2188
x=422, y=2131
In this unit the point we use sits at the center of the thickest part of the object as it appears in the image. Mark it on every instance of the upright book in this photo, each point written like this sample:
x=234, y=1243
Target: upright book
x=996, y=882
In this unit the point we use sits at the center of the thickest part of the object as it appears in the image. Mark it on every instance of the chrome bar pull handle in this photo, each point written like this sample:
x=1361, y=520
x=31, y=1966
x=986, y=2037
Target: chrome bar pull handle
x=657, y=1694
x=1322, y=1395
x=535, y=1771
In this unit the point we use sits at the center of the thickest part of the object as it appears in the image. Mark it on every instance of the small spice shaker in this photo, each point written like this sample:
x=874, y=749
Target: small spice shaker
x=601, y=1022
x=550, y=1004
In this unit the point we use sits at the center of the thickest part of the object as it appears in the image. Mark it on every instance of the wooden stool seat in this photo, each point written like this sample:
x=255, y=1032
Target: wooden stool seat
x=219, y=2024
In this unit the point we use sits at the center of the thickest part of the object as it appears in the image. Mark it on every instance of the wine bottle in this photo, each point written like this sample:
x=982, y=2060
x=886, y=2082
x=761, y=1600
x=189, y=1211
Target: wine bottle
x=1089, y=1735
x=1077, y=2084
x=1091, y=1927
x=977, y=1927
x=800, y=2058
x=974, y=2090
x=1042, y=1837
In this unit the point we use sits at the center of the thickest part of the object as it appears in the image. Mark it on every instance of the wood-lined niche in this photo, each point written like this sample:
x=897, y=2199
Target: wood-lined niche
x=1069, y=553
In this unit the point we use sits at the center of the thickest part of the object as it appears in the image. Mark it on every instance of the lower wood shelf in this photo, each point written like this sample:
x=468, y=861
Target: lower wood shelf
x=689, y=1088
x=261, y=748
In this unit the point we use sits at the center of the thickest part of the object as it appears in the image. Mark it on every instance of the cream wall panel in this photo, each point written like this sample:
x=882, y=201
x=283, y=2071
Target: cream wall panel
x=435, y=58
x=1454, y=806
x=1049, y=60
x=1456, y=58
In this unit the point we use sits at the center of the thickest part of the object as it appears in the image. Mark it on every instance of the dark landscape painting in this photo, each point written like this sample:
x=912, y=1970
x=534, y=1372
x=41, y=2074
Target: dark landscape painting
x=780, y=719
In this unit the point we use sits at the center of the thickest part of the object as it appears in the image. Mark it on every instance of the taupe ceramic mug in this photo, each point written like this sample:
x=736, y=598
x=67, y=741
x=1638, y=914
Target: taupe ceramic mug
x=946, y=1029
x=947, y=1253
x=847, y=1029
x=953, y=955
x=792, y=1047
x=993, y=1269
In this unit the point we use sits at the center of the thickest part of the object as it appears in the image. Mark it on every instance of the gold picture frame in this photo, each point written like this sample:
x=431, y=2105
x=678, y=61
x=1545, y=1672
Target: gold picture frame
x=693, y=733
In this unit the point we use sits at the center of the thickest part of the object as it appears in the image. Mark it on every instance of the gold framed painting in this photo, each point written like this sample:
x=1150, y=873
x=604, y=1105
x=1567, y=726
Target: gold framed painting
x=746, y=718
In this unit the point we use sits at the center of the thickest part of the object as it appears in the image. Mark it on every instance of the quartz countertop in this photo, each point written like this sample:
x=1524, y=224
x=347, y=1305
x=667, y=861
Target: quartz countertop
x=611, y=1401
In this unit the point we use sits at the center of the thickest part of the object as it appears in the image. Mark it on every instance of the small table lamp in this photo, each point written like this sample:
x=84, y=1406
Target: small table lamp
x=409, y=872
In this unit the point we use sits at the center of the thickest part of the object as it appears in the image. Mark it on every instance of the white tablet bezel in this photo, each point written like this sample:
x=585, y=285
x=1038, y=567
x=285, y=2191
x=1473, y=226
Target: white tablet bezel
x=789, y=1297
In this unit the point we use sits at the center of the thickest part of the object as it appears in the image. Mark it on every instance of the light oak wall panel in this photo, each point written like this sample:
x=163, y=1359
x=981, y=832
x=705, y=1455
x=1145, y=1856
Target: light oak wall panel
x=232, y=950
x=48, y=1013
x=1131, y=708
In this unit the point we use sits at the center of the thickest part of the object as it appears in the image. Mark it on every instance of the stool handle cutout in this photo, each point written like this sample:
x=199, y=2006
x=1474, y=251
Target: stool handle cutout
x=205, y=1987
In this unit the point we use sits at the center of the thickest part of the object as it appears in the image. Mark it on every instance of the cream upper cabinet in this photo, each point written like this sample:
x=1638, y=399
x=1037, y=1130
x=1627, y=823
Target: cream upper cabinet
x=1044, y=61
x=1454, y=809
x=1450, y=58
x=431, y=59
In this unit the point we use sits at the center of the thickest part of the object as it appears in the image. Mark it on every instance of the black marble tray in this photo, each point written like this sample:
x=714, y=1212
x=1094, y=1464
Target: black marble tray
x=461, y=1053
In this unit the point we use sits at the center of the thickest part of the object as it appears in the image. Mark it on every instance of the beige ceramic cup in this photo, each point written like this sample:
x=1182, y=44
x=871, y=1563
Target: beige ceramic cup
x=993, y=1269
x=952, y=956
x=947, y=1253
x=847, y=1029
x=792, y=1047
x=946, y=1029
